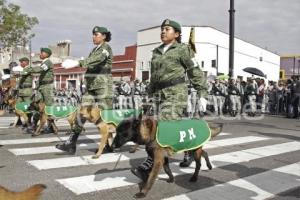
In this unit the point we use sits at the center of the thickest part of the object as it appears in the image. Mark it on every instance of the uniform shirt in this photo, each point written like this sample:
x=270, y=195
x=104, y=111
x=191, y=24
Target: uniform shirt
x=26, y=77
x=98, y=65
x=173, y=64
x=46, y=72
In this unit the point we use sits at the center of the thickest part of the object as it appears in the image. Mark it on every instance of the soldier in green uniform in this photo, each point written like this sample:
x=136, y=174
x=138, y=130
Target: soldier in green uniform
x=251, y=92
x=46, y=78
x=98, y=82
x=170, y=64
x=25, y=82
x=45, y=83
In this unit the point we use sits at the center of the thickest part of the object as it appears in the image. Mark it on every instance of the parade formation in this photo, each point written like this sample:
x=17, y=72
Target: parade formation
x=179, y=109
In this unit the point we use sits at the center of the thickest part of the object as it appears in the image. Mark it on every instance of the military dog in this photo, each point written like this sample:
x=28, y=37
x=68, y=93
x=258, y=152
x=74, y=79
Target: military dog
x=92, y=114
x=40, y=107
x=32, y=193
x=142, y=131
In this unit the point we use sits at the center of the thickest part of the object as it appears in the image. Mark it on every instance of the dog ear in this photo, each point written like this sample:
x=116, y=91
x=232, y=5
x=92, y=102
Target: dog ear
x=89, y=108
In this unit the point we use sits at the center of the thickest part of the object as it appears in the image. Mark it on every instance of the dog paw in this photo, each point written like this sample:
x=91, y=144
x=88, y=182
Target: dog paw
x=95, y=157
x=132, y=150
x=139, y=195
x=170, y=180
x=193, y=179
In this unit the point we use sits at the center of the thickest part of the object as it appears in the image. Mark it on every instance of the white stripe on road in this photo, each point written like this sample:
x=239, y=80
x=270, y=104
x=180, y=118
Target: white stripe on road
x=71, y=162
x=78, y=161
x=209, y=145
x=45, y=140
x=91, y=183
x=48, y=149
x=233, y=141
x=258, y=187
x=224, y=134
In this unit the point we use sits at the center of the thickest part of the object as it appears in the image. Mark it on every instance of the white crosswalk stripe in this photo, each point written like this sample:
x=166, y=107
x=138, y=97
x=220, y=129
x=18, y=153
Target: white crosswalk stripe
x=93, y=181
x=259, y=186
x=5, y=122
x=46, y=140
x=70, y=162
x=52, y=149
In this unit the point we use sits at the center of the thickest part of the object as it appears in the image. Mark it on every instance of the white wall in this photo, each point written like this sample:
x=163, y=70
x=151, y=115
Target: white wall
x=207, y=40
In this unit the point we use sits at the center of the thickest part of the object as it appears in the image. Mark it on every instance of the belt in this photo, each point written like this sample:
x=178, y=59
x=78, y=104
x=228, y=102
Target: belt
x=46, y=82
x=171, y=83
x=23, y=86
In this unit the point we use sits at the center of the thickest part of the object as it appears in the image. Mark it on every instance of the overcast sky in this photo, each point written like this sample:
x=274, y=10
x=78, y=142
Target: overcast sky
x=273, y=24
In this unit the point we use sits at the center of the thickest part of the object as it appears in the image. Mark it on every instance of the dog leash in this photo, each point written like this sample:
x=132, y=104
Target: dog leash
x=117, y=162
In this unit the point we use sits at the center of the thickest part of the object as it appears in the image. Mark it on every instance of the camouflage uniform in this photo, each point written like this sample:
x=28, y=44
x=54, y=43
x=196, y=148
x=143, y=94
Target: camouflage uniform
x=167, y=84
x=99, y=89
x=25, y=85
x=234, y=96
x=98, y=77
x=219, y=93
x=251, y=91
x=46, y=79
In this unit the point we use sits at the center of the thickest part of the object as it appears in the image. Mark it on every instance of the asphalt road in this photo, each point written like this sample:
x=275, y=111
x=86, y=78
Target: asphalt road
x=253, y=159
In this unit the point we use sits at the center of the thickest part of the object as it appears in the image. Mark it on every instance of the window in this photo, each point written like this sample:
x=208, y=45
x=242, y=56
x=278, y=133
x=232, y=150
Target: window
x=213, y=63
x=145, y=75
x=282, y=74
x=202, y=63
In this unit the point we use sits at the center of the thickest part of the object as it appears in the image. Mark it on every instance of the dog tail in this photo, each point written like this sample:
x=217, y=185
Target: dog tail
x=32, y=193
x=215, y=130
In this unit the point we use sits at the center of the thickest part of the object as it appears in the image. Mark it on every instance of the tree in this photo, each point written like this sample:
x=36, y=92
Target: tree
x=14, y=25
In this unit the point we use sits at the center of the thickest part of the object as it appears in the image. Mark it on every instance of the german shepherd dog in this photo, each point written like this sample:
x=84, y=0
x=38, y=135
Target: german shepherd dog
x=32, y=193
x=11, y=102
x=142, y=131
x=93, y=115
x=40, y=107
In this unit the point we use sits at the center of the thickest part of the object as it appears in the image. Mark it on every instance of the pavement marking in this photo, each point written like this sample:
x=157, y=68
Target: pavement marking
x=91, y=183
x=48, y=149
x=209, y=145
x=258, y=187
x=45, y=140
x=74, y=161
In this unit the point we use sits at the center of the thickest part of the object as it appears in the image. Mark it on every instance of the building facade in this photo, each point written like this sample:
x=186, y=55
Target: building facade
x=289, y=66
x=212, y=48
x=124, y=66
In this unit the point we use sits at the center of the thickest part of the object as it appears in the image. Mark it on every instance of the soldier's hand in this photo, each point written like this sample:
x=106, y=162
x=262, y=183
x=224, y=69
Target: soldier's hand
x=68, y=63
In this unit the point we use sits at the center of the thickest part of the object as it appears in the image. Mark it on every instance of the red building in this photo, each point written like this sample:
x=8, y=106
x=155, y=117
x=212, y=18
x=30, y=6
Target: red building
x=123, y=66
x=68, y=78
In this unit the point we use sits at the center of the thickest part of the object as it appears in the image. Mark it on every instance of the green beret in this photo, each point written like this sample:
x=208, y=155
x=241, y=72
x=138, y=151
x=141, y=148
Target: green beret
x=46, y=50
x=24, y=59
x=100, y=29
x=175, y=25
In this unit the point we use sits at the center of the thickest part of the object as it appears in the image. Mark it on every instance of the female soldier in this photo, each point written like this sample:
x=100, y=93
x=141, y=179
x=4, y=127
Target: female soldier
x=98, y=82
x=170, y=63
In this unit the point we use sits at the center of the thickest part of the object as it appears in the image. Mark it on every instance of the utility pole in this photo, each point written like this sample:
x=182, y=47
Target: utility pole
x=231, y=39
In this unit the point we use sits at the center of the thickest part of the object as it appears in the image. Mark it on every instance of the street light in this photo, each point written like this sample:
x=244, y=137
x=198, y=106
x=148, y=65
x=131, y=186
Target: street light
x=30, y=48
x=231, y=38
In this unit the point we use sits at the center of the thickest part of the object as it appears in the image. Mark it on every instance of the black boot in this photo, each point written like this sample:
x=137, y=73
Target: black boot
x=187, y=159
x=144, y=169
x=69, y=146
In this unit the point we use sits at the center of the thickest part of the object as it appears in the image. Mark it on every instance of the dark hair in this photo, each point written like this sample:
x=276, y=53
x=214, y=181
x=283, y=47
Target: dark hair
x=108, y=36
x=179, y=38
